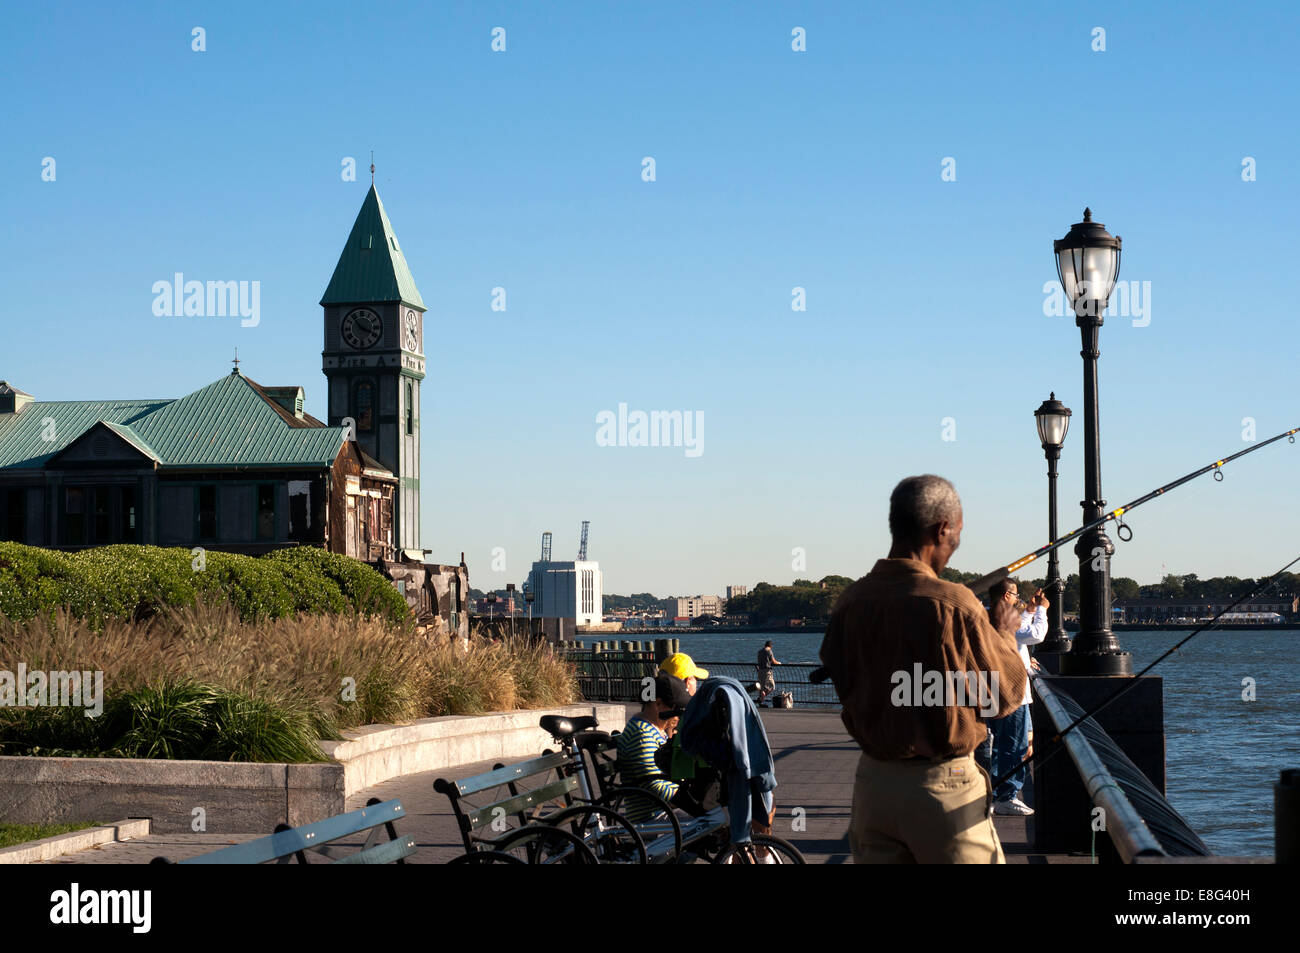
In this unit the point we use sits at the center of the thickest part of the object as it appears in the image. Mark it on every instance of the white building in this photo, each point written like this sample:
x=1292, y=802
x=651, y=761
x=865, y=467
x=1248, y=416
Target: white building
x=692, y=606
x=567, y=590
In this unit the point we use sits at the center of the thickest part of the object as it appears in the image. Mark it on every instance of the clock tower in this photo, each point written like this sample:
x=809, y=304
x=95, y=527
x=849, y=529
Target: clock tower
x=374, y=357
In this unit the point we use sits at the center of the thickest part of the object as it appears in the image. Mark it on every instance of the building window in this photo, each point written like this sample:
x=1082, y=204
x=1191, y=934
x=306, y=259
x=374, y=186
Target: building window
x=410, y=409
x=207, y=512
x=74, y=508
x=266, y=511
x=364, y=404
x=103, y=514
x=16, y=516
x=128, y=514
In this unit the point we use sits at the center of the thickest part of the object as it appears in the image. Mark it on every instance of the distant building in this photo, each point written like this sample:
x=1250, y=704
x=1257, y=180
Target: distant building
x=736, y=591
x=567, y=590
x=692, y=606
x=1162, y=610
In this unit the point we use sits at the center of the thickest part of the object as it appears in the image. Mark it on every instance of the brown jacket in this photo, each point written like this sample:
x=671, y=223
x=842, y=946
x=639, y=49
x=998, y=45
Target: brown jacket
x=917, y=663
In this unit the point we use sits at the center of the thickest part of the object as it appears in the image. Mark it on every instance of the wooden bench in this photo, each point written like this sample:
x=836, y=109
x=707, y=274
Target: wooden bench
x=485, y=826
x=289, y=843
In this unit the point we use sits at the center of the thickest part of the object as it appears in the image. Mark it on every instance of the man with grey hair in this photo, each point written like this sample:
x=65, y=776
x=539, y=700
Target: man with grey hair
x=899, y=641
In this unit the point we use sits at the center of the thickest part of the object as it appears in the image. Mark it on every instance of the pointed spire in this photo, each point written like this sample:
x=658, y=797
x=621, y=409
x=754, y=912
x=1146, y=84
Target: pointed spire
x=372, y=267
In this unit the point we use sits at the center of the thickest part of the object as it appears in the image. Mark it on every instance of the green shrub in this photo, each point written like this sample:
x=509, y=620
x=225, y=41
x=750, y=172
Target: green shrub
x=137, y=582
x=364, y=589
x=126, y=582
x=37, y=581
x=254, y=587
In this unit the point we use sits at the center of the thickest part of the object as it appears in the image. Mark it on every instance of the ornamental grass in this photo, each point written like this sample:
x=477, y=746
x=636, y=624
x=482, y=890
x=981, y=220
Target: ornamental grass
x=200, y=682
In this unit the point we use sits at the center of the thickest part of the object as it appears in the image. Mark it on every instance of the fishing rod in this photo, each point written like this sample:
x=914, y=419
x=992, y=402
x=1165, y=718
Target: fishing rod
x=1130, y=683
x=983, y=584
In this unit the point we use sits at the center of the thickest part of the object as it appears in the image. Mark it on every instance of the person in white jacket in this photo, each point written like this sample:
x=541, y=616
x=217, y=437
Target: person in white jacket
x=1011, y=734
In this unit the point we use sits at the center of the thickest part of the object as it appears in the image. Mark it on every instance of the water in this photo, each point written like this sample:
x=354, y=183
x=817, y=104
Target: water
x=1222, y=753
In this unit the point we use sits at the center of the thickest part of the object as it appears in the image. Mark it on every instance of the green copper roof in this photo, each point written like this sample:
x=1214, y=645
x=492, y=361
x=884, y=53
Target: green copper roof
x=44, y=427
x=230, y=423
x=372, y=266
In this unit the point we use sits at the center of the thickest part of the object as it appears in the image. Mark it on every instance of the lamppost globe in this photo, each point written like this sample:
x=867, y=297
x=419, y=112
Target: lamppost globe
x=1087, y=262
x=1053, y=420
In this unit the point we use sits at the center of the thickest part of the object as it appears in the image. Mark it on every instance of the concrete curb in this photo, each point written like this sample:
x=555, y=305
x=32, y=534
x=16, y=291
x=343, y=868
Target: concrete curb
x=378, y=753
x=230, y=797
x=242, y=797
x=47, y=848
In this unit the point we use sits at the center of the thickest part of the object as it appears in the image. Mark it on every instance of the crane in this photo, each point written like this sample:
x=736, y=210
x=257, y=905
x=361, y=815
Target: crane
x=582, y=546
x=546, y=547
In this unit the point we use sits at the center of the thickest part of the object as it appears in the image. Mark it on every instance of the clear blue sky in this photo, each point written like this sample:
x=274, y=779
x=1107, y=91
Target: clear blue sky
x=775, y=169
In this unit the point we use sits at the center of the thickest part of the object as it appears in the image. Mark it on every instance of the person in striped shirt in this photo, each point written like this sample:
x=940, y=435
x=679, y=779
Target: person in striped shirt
x=643, y=735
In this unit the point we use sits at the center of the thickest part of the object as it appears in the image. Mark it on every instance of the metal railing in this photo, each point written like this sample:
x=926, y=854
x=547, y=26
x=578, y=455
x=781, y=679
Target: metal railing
x=1118, y=786
x=618, y=675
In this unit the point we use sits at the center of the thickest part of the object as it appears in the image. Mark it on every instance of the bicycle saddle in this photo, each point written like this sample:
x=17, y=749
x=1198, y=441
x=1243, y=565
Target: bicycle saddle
x=560, y=727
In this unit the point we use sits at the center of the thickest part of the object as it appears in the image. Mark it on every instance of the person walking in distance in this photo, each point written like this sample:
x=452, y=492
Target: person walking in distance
x=766, y=677
x=918, y=794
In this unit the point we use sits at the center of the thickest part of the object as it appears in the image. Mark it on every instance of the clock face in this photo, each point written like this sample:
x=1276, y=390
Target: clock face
x=412, y=331
x=361, y=328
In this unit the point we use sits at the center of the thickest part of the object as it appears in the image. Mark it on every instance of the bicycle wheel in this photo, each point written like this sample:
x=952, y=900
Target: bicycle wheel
x=661, y=823
x=610, y=835
x=488, y=857
x=543, y=844
x=762, y=849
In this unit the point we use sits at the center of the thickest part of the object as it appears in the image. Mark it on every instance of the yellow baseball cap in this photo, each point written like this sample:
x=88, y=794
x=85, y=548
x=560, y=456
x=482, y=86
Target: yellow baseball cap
x=683, y=666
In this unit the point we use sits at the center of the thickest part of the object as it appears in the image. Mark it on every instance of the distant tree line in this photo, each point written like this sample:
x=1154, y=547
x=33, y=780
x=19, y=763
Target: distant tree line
x=813, y=600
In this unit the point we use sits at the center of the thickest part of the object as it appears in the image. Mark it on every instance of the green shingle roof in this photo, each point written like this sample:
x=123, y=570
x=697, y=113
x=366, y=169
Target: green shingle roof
x=229, y=423
x=372, y=266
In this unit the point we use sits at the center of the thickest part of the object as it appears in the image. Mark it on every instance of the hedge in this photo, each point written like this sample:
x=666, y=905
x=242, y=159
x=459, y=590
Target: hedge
x=135, y=582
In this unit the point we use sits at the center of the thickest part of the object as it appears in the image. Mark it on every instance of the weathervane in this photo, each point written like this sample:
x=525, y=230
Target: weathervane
x=372, y=167
x=236, y=361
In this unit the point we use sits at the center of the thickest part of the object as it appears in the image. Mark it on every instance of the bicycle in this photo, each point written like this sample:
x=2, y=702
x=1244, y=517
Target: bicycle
x=587, y=752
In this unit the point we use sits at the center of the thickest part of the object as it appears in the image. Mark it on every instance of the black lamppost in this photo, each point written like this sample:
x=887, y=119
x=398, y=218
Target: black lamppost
x=1053, y=420
x=528, y=598
x=1087, y=262
x=510, y=588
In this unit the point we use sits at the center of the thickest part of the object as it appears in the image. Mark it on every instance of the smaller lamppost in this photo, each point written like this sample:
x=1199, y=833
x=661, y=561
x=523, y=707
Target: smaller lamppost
x=491, y=601
x=510, y=588
x=528, y=598
x=1053, y=420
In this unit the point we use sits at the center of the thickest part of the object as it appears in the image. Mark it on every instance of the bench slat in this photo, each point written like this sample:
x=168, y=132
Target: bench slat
x=307, y=837
x=525, y=799
x=499, y=776
x=386, y=853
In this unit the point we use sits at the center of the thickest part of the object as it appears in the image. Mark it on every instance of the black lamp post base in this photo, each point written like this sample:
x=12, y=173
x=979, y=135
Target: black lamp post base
x=1075, y=662
x=1048, y=654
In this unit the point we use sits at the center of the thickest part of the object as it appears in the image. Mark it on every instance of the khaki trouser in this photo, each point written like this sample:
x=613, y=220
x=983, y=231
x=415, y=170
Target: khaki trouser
x=923, y=812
